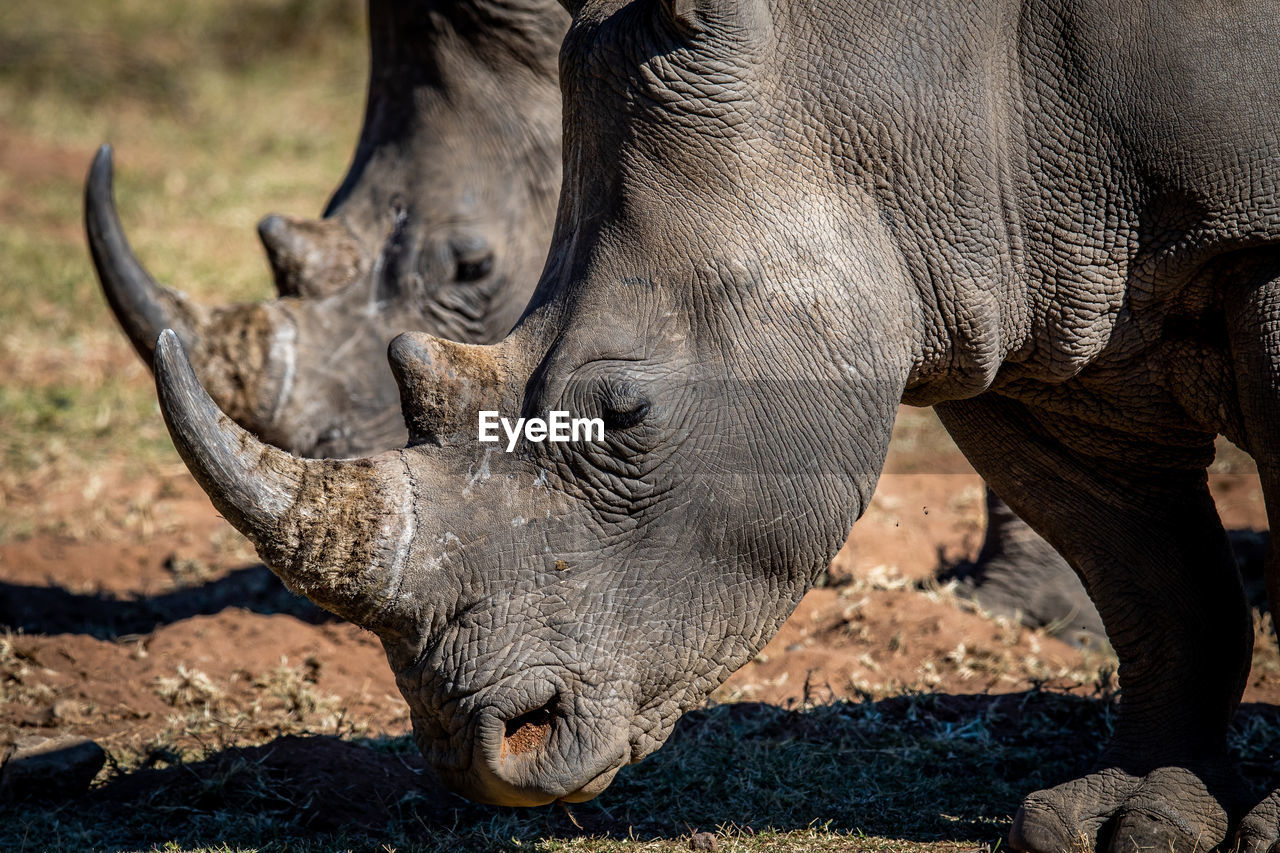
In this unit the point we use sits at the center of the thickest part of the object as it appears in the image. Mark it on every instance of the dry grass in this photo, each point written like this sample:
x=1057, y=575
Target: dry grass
x=189, y=689
x=894, y=775
x=890, y=775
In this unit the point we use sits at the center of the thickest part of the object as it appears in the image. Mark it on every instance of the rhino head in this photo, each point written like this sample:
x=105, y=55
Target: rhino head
x=551, y=611
x=439, y=225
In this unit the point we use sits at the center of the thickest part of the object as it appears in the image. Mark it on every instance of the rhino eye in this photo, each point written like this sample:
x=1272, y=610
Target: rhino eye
x=474, y=259
x=625, y=406
x=474, y=270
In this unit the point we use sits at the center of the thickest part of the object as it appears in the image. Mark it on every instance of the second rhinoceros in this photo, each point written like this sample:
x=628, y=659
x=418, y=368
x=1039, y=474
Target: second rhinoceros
x=439, y=225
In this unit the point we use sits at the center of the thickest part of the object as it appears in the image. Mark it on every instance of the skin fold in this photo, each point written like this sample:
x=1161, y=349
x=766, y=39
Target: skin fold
x=1056, y=223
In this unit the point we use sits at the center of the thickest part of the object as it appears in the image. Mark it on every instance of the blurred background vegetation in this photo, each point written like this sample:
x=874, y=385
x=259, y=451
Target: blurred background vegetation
x=220, y=112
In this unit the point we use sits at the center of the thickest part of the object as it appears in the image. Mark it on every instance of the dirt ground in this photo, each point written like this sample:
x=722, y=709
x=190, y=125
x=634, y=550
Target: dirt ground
x=147, y=625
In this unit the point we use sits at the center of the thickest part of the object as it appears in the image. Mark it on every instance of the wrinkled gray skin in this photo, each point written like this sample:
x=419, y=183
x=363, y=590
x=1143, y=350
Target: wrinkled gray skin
x=439, y=225
x=1055, y=222
x=1019, y=575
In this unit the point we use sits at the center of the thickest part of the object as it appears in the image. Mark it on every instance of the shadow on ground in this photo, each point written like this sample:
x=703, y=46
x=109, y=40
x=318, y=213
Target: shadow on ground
x=914, y=768
x=54, y=610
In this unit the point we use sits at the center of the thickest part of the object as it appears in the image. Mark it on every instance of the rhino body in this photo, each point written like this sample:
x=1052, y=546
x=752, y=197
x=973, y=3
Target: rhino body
x=1055, y=222
x=438, y=225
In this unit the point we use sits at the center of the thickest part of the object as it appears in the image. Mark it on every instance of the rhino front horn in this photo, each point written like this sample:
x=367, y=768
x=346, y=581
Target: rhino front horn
x=337, y=532
x=143, y=307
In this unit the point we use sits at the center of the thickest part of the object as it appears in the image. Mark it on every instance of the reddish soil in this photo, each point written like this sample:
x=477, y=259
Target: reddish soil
x=164, y=638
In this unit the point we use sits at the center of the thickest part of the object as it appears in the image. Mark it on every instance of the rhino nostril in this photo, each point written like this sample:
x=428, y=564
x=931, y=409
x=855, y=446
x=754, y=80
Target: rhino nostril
x=527, y=732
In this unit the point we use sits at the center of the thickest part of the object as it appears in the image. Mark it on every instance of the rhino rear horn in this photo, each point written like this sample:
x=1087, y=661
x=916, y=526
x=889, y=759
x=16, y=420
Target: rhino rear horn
x=444, y=385
x=310, y=257
x=143, y=307
x=337, y=532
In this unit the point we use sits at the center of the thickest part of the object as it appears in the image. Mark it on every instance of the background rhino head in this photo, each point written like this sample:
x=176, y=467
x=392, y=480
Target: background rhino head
x=439, y=225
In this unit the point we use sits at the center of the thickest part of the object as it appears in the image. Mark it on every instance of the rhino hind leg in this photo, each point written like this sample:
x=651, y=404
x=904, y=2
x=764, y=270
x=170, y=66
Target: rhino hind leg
x=1020, y=575
x=1253, y=330
x=1148, y=541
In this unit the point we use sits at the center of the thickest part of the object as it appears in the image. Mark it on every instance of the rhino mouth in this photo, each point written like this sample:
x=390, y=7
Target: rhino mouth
x=529, y=745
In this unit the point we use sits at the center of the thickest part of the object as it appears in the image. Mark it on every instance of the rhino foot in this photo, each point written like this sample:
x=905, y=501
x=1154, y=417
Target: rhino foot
x=1020, y=575
x=1259, y=832
x=1170, y=810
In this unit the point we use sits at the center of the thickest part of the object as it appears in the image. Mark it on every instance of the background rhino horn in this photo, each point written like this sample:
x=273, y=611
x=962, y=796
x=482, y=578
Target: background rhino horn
x=310, y=257
x=142, y=306
x=299, y=513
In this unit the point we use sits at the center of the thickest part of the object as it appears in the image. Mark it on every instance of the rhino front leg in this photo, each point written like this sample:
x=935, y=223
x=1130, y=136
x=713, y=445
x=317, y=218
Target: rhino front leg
x=1019, y=574
x=1145, y=536
x=1253, y=330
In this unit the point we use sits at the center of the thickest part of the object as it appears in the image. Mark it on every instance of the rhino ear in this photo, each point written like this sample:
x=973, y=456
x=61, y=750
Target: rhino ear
x=690, y=16
x=693, y=17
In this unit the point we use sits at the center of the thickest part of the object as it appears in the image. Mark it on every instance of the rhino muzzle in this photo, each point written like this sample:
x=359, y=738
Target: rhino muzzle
x=359, y=538
x=529, y=746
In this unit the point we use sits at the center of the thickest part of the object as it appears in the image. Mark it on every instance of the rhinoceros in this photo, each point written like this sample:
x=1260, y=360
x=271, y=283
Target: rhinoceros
x=419, y=190
x=439, y=225
x=1055, y=223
